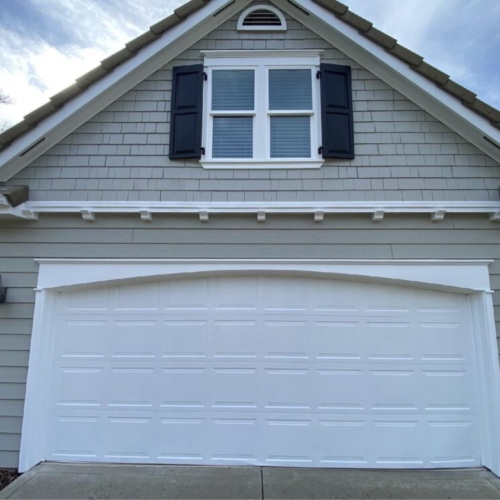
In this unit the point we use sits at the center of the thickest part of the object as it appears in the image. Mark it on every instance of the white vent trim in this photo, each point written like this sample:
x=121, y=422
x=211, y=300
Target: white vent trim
x=274, y=12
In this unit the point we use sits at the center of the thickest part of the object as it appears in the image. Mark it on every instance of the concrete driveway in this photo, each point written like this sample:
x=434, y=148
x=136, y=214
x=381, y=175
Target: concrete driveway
x=60, y=481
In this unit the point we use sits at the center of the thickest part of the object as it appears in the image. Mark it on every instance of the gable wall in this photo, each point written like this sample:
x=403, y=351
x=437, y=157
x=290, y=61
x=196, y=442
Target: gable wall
x=402, y=152
x=121, y=154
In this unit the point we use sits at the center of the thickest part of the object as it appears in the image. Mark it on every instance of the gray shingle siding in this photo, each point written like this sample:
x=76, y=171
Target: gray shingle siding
x=402, y=152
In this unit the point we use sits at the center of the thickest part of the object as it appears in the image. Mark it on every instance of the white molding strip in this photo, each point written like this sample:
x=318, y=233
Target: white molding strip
x=88, y=210
x=460, y=275
x=259, y=54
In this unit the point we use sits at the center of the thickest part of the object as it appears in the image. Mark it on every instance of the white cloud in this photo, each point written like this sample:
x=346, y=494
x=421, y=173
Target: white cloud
x=32, y=69
x=405, y=20
x=460, y=37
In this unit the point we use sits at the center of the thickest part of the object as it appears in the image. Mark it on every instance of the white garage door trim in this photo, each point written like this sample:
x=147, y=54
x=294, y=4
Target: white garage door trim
x=467, y=277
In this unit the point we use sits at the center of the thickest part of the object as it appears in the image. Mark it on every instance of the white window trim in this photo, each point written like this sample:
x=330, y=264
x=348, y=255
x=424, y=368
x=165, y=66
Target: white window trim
x=274, y=10
x=467, y=277
x=261, y=61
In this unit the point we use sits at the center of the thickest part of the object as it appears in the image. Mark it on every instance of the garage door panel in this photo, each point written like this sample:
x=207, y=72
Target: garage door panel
x=141, y=297
x=326, y=299
x=233, y=439
x=181, y=439
x=395, y=390
x=449, y=390
x=234, y=294
x=78, y=438
x=399, y=442
x=284, y=294
x=277, y=386
x=390, y=340
x=84, y=338
x=233, y=388
x=130, y=387
x=83, y=301
x=452, y=441
x=133, y=338
x=128, y=437
x=445, y=342
x=288, y=441
x=265, y=370
x=182, y=296
x=184, y=339
x=80, y=387
x=275, y=439
x=181, y=387
x=286, y=340
x=340, y=390
x=287, y=389
x=236, y=338
x=337, y=340
x=343, y=442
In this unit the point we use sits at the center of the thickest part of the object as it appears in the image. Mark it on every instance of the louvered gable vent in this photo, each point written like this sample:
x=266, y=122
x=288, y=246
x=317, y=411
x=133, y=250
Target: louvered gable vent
x=262, y=18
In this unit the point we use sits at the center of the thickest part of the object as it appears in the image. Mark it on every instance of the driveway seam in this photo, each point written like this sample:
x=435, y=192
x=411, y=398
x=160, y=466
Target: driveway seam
x=262, y=483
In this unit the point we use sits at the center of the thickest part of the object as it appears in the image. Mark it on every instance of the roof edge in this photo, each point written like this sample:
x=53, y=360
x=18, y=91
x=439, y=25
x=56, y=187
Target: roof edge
x=106, y=66
x=415, y=61
x=342, y=12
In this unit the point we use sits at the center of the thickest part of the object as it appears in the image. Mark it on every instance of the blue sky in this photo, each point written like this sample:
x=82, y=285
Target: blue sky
x=46, y=44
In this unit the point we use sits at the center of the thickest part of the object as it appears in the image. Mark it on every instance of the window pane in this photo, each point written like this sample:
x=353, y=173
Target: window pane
x=290, y=137
x=233, y=137
x=290, y=89
x=233, y=90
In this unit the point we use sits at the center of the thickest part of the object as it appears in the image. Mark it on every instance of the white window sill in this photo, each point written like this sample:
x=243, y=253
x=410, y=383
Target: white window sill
x=263, y=164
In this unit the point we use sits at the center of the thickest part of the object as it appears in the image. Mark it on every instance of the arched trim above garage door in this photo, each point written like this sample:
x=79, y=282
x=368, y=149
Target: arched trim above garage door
x=470, y=278
x=452, y=275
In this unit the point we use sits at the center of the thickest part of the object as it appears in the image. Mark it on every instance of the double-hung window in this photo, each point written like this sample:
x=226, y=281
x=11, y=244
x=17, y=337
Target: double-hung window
x=261, y=110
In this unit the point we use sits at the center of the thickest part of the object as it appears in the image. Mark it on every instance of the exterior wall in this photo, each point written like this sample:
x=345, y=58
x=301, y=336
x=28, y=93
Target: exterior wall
x=402, y=152
x=68, y=236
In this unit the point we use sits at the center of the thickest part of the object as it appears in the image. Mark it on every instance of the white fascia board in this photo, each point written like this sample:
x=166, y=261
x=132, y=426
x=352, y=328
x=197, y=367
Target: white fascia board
x=109, y=88
x=455, y=275
x=31, y=209
x=396, y=73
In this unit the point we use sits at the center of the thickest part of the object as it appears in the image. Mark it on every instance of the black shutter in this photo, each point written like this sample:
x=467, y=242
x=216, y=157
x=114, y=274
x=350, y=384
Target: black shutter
x=336, y=111
x=186, y=112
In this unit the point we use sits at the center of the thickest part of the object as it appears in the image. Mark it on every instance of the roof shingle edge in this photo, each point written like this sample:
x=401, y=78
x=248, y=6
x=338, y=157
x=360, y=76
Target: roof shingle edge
x=365, y=27
x=415, y=61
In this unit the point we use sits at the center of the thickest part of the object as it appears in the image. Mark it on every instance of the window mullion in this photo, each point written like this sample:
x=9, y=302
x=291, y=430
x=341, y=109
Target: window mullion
x=315, y=118
x=208, y=122
x=261, y=134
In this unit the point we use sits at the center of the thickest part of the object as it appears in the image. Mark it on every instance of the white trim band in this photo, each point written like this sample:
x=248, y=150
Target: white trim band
x=88, y=209
x=459, y=275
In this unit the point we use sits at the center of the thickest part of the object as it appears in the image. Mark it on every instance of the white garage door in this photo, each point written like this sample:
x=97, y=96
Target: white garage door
x=270, y=370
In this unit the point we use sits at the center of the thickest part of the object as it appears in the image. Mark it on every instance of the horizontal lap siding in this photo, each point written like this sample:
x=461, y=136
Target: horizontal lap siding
x=16, y=321
x=459, y=237
x=402, y=152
